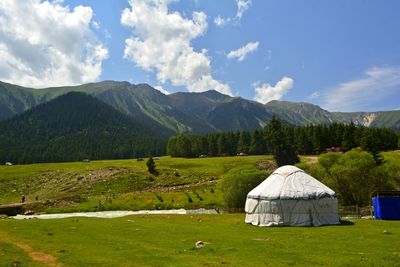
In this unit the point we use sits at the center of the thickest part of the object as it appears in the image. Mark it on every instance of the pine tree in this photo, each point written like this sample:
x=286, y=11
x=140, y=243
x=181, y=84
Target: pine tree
x=212, y=145
x=171, y=147
x=258, y=146
x=222, y=145
x=348, y=139
x=279, y=141
x=243, y=145
x=151, y=165
x=183, y=146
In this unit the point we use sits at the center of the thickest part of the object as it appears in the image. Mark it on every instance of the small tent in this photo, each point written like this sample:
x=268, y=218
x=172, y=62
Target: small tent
x=289, y=196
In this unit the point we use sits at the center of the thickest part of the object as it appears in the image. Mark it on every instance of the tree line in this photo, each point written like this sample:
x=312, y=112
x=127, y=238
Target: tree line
x=304, y=140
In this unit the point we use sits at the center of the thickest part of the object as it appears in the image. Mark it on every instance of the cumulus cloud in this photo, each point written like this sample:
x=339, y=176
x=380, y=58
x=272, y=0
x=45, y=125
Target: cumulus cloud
x=378, y=84
x=243, y=51
x=46, y=44
x=161, y=42
x=242, y=6
x=267, y=92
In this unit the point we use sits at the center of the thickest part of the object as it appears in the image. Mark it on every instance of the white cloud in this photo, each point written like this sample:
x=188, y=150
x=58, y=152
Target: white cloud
x=161, y=42
x=242, y=52
x=46, y=44
x=256, y=83
x=242, y=6
x=96, y=24
x=314, y=95
x=162, y=90
x=219, y=21
x=267, y=92
x=377, y=85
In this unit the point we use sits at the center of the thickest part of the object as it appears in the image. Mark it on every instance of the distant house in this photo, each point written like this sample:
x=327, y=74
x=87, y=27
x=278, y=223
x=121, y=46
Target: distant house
x=8, y=164
x=334, y=149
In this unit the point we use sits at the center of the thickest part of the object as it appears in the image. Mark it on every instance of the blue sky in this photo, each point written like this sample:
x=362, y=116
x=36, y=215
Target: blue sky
x=342, y=55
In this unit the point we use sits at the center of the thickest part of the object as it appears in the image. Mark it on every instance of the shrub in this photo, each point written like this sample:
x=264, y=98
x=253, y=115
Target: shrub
x=151, y=165
x=353, y=175
x=237, y=183
x=190, y=200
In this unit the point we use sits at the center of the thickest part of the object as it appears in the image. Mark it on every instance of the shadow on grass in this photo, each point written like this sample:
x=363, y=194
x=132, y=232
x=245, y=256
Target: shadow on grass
x=341, y=223
x=345, y=223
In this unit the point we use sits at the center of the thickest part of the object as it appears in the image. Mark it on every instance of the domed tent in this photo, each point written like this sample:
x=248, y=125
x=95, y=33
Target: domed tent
x=289, y=196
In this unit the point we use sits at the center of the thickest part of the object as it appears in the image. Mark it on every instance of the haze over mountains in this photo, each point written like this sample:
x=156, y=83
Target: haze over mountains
x=195, y=113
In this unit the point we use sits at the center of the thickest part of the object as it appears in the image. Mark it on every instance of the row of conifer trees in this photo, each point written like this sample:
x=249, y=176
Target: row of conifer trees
x=305, y=140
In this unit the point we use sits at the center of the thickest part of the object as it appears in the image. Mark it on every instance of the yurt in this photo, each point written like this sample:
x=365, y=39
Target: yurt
x=291, y=197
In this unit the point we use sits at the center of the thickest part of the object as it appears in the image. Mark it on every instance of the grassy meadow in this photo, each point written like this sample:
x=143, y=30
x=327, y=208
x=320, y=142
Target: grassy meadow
x=122, y=184
x=169, y=240
x=392, y=156
x=127, y=185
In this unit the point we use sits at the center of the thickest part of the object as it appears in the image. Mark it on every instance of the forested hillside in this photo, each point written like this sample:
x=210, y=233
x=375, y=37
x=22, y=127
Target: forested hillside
x=74, y=127
x=307, y=140
x=192, y=113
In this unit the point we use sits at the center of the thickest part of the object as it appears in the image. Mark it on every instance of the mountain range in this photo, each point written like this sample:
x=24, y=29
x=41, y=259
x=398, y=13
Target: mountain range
x=73, y=127
x=195, y=113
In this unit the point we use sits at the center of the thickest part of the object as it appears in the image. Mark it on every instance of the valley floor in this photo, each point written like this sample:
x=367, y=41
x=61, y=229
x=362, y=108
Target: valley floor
x=169, y=240
x=122, y=184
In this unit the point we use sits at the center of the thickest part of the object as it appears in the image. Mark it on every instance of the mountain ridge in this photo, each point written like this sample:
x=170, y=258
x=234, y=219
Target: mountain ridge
x=195, y=113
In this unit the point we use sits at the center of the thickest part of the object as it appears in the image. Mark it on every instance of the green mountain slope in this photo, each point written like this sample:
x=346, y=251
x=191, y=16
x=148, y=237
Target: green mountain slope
x=305, y=113
x=299, y=113
x=196, y=113
x=239, y=114
x=73, y=127
x=390, y=119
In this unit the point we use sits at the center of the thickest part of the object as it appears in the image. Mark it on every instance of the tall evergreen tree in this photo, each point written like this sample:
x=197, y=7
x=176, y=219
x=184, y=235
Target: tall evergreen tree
x=258, y=145
x=280, y=144
x=349, y=135
x=244, y=142
x=151, y=165
x=184, y=147
x=212, y=141
x=222, y=144
x=172, y=146
x=370, y=143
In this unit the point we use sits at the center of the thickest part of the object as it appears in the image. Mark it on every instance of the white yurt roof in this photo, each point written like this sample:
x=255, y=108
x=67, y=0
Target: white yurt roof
x=290, y=182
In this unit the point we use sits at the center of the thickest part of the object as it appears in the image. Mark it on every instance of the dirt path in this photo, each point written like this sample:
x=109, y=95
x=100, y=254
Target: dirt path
x=178, y=187
x=41, y=257
x=312, y=159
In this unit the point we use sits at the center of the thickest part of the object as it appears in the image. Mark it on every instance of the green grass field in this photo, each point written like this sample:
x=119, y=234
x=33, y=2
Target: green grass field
x=127, y=185
x=122, y=184
x=392, y=156
x=169, y=240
